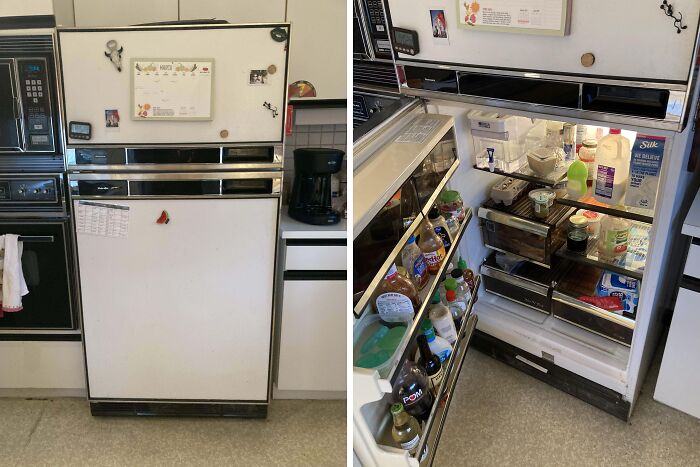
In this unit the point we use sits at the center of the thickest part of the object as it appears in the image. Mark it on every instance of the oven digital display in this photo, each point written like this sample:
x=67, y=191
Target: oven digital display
x=80, y=128
x=404, y=38
x=33, y=68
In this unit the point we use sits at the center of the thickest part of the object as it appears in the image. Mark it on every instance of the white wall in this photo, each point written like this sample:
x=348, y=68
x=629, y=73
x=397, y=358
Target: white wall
x=25, y=7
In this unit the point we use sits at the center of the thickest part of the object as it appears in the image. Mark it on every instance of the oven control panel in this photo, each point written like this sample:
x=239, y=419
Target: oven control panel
x=36, y=102
x=31, y=190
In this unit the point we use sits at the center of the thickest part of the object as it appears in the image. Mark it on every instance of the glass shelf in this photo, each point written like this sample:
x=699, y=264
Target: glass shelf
x=590, y=203
x=525, y=173
x=631, y=264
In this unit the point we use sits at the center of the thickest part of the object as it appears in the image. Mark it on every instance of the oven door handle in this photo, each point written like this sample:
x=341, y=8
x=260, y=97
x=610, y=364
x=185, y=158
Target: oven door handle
x=36, y=238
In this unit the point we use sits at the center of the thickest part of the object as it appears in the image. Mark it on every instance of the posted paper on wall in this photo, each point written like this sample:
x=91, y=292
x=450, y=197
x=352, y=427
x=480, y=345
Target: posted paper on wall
x=102, y=219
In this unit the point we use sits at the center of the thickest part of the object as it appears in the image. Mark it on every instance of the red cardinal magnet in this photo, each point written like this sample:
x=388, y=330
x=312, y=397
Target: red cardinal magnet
x=164, y=218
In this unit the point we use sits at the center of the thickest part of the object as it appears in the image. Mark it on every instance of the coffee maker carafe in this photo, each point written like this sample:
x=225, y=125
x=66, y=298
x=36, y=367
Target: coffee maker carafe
x=311, y=194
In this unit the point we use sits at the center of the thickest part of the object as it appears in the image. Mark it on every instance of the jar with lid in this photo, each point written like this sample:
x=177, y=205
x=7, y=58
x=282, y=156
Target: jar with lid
x=451, y=202
x=577, y=235
x=587, y=155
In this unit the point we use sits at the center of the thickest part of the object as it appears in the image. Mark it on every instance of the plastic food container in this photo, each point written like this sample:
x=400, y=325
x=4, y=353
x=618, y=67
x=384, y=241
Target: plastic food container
x=451, y=202
x=508, y=190
x=377, y=344
x=542, y=200
x=542, y=161
x=594, y=219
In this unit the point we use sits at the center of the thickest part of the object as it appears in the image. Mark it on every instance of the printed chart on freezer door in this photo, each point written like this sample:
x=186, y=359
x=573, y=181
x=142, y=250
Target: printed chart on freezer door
x=102, y=219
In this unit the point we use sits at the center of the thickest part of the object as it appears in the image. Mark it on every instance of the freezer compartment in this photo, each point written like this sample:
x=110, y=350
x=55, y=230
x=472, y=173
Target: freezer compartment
x=514, y=229
x=528, y=284
x=582, y=280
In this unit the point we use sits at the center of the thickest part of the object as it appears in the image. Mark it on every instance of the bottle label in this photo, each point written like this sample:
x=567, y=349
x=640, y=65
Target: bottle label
x=434, y=259
x=412, y=444
x=446, y=329
x=393, y=306
x=412, y=398
x=616, y=240
x=569, y=151
x=604, y=182
x=444, y=355
x=444, y=235
x=436, y=380
x=419, y=266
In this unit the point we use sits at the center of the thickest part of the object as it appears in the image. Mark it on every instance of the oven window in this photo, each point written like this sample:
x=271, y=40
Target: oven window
x=44, y=264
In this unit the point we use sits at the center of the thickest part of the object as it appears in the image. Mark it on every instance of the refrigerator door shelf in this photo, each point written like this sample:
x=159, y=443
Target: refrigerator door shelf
x=375, y=424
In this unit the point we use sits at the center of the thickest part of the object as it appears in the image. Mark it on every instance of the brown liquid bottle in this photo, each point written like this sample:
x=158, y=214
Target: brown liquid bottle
x=432, y=247
x=396, y=298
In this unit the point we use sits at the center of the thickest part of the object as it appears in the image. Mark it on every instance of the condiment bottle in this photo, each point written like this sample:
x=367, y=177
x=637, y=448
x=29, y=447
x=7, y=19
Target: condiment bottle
x=467, y=273
x=431, y=363
x=414, y=262
x=432, y=247
x=440, y=227
x=438, y=345
x=396, y=298
x=441, y=318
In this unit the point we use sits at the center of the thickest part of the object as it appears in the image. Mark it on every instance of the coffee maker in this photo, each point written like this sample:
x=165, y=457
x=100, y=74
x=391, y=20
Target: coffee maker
x=311, y=194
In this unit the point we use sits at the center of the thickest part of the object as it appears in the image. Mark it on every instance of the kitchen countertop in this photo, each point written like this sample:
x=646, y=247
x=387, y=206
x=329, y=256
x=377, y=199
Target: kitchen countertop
x=691, y=225
x=290, y=228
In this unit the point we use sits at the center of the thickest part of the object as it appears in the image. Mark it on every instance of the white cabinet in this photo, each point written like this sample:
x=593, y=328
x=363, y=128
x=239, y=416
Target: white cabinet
x=679, y=376
x=234, y=11
x=312, y=351
x=89, y=13
x=318, y=46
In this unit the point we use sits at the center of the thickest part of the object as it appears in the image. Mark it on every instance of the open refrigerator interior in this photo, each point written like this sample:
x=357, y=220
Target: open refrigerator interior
x=527, y=182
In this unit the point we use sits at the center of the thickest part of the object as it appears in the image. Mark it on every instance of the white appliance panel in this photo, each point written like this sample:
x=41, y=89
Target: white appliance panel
x=92, y=84
x=181, y=311
x=609, y=30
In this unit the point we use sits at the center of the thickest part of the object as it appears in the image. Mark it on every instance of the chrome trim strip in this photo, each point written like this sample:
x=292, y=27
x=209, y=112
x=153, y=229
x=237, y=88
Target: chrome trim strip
x=593, y=310
x=591, y=330
x=525, y=225
x=175, y=176
x=515, y=280
x=518, y=301
x=574, y=114
x=547, y=76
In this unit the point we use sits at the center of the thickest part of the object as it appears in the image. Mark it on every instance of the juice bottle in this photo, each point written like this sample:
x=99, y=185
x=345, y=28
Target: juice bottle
x=396, y=297
x=432, y=247
x=614, y=234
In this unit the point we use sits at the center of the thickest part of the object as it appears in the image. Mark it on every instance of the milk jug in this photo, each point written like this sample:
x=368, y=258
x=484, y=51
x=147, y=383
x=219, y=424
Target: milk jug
x=612, y=168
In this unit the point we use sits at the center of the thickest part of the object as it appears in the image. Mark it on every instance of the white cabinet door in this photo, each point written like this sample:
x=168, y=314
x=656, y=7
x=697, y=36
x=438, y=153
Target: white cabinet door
x=318, y=51
x=679, y=376
x=183, y=310
x=234, y=11
x=89, y=13
x=629, y=38
x=313, y=345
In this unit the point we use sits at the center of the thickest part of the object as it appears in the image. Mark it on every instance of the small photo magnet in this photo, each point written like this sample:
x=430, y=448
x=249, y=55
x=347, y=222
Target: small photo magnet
x=257, y=77
x=438, y=23
x=112, y=118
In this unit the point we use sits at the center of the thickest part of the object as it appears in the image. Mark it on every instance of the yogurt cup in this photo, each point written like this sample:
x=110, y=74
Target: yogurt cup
x=542, y=200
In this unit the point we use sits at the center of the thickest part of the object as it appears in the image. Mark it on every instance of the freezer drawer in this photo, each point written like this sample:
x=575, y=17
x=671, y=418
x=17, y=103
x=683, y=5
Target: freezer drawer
x=580, y=280
x=529, y=284
x=513, y=229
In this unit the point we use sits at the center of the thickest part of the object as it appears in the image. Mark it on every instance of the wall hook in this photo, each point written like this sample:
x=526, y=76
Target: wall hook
x=677, y=20
x=271, y=108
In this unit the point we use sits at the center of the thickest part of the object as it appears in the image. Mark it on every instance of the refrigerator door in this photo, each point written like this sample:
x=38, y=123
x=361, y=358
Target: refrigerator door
x=148, y=335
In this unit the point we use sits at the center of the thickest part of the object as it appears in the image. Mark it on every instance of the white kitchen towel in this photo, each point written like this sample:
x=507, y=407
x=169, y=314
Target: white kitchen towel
x=14, y=287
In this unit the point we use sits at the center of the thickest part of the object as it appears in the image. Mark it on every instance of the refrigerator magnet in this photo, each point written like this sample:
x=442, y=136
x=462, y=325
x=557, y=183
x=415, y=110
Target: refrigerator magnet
x=112, y=118
x=113, y=54
x=438, y=25
x=257, y=77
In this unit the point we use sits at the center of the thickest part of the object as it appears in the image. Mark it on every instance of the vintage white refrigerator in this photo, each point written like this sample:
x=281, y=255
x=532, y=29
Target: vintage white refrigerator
x=539, y=76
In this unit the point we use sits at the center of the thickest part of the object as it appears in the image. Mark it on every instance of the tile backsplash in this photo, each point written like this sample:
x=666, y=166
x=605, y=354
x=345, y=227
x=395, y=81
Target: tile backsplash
x=314, y=136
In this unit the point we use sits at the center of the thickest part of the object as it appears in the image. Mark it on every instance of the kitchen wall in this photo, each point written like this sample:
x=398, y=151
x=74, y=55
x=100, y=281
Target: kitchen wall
x=314, y=136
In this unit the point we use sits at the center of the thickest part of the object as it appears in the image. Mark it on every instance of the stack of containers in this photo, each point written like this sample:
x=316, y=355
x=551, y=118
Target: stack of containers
x=500, y=141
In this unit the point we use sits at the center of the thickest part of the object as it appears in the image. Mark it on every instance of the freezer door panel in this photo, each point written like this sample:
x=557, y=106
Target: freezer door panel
x=241, y=84
x=611, y=31
x=181, y=310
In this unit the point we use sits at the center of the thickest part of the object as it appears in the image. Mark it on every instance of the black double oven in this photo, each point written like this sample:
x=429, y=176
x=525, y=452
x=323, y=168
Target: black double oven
x=33, y=188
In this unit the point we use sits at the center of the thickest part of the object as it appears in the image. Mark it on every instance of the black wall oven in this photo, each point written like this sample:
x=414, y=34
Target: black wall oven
x=33, y=207
x=29, y=114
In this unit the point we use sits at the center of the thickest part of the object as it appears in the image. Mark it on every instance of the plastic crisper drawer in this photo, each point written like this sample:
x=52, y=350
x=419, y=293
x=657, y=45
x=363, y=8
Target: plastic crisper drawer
x=528, y=284
x=580, y=280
